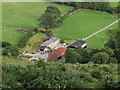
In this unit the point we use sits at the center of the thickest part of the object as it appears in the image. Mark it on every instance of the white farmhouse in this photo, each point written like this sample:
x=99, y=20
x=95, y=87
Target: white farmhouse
x=50, y=44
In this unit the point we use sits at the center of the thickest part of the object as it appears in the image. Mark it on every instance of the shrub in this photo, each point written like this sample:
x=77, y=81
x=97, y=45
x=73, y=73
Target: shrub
x=24, y=40
x=113, y=60
x=100, y=57
x=62, y=41
x=36, y=30
x=5, y=44
x=96, y=74
x=10, y=51
x=49, y=33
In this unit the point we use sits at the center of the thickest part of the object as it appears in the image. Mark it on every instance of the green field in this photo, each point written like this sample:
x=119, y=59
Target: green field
x=83, y=23
x=114, y=4
x=34, y=42
x=22, y=16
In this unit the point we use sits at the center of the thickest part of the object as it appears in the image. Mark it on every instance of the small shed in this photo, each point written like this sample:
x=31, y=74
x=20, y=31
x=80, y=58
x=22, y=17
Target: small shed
x=78, y=43
x=57, y=54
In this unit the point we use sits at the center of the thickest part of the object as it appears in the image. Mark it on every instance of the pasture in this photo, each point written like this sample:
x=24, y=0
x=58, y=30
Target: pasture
x=84, y=23
x=34, y=42
x=114, y=4
x=22, y=15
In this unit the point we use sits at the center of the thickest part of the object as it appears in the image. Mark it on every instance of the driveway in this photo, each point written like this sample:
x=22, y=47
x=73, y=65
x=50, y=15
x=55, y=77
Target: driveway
x=37, y=55
x=101, y=29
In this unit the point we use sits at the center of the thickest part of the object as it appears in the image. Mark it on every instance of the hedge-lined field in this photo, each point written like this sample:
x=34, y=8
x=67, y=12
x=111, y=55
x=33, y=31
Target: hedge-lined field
x=83, y=23
x=23, y=16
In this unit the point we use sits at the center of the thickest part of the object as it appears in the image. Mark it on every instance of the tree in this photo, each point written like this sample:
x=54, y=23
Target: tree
x=36, y=30
x=94, y=51
x=96, y=73
x=62, y=41
x=49, y=33
x=49, y=17
x=24, y=40
x=117, y=10
x=113, y=60
x=100, y=57
x=114, y=39
x=47, y=21
x=117, y=53
x=10, y=51
x=5, y=44
x=72, y=56
x=84, y=54
x=54, y=11
x=109, y=51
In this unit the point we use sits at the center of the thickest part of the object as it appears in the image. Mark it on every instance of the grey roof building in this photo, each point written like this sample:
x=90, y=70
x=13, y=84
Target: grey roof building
x=78, y=43
x=48, y=38
x=50, y=44
x=50, y=41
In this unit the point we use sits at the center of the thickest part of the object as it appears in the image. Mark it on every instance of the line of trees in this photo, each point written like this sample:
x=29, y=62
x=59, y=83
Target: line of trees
x=25, y=38
x=100, y=6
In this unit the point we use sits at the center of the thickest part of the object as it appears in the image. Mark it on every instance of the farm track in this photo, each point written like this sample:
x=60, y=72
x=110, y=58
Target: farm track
x=101, y=30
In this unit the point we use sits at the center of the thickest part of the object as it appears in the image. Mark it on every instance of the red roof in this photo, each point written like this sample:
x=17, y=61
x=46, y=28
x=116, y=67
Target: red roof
x=54, y=55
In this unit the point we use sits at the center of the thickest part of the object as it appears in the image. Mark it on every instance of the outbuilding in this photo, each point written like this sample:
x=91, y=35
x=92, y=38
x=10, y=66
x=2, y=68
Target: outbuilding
x=78, y=43
x=50, y=44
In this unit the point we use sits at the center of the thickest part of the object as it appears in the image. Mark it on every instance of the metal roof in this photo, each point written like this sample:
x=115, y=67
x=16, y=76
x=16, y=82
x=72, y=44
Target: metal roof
x=42, y=48
x=77, y=43
x=48, y=42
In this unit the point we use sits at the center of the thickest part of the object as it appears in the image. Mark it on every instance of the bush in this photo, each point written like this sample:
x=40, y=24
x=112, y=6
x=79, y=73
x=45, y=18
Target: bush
x=106, y=69
x=24, y=40
x=5, y=44
x=55, y=75
x=96, y=74
x=62, y=41
x=36, y=30
x=10, y=51
x=62, y=18
x=100, y=57
x=72, y=56
x=113, y=60
x=109, y=51
x=49, y=33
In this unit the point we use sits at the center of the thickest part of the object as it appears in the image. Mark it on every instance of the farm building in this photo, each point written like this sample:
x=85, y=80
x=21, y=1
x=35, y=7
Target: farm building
x=57, y=54
x=48, y=38
x=50, y=44
x=78, y=43
x=45, y=48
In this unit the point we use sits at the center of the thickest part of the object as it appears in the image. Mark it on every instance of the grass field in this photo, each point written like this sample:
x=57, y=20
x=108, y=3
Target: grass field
x=83, y=23
x=22, y=16
x=114, y=4
x=34, y=42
